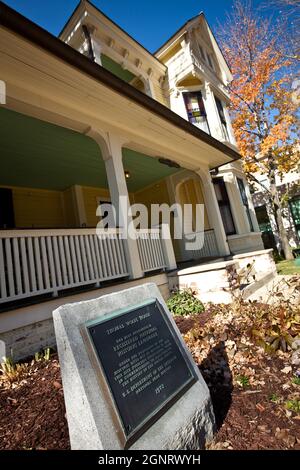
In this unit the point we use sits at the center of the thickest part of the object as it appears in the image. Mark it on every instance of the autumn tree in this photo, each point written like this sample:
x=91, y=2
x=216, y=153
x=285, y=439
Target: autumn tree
x=264, y=103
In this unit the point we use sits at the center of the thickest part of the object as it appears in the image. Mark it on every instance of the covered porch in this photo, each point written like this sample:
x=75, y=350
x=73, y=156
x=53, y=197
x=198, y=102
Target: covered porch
x=52, y=181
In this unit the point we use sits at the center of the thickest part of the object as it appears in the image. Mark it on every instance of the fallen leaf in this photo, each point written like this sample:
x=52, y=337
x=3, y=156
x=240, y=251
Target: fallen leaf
x=260, y=407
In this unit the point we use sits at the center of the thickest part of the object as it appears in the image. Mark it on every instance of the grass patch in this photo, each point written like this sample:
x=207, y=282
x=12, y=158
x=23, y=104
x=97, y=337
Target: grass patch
x=289, y=267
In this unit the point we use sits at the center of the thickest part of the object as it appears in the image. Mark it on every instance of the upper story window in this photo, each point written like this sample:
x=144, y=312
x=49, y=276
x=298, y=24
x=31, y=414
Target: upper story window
x=195, y=110
x=222, y=117
x=245, y=202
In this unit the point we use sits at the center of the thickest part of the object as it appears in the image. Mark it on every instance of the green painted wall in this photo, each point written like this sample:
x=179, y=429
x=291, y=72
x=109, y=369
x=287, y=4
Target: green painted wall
x=116, y=69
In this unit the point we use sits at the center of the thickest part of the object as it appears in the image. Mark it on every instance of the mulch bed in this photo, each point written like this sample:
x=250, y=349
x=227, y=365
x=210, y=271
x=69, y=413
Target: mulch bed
x=32, y=411
x=32, y=414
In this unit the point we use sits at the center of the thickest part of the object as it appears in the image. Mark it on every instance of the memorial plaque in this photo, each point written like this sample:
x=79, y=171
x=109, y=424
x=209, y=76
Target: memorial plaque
x=143, y=364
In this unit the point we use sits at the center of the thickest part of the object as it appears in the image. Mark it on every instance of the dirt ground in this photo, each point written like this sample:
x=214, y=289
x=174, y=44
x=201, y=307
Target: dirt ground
x=249, y=391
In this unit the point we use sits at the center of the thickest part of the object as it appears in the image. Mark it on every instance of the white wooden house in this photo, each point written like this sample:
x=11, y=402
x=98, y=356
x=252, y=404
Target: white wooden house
x=91, y=116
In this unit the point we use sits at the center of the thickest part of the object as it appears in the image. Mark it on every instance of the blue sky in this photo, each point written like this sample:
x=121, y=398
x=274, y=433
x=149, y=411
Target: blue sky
x=150, y=22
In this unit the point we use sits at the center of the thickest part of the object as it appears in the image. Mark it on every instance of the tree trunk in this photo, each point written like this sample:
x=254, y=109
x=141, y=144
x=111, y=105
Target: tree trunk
x=278, y=210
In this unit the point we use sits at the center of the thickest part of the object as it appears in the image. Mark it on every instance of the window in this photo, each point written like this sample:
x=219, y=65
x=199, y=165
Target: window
x=224, y=206
x=265, y=227
x=245, y=201
x=263, y=219
x=196, y=110
x=295, y=210
x=7, y=218
x=222, y=117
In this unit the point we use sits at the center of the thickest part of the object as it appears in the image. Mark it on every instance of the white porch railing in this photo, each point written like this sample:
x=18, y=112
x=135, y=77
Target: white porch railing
x=37, y=262
x=150, y=249
x=207, y=243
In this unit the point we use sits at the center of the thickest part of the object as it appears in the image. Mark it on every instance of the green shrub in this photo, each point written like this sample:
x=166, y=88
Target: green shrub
x=296, y=380
x=243, y=381
x=43, y=356
x=185, y=303
x=293, y=405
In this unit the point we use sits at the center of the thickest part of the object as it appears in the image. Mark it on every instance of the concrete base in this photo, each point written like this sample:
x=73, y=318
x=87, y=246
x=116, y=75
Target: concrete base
x=212, y=282
x=188, y=424
x=245, y=243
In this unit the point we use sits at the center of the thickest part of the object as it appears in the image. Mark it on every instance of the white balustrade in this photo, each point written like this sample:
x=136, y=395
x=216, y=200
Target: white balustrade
x=150, y=249
x=38, y=262
x=207, y=245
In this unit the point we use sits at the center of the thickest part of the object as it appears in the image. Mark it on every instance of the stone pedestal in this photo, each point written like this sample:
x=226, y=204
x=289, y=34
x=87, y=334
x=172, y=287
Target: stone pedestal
x=187, y=424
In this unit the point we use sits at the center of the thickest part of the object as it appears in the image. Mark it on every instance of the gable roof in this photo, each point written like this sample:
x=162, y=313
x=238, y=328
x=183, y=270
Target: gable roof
x=83, y=3
x=215, y=45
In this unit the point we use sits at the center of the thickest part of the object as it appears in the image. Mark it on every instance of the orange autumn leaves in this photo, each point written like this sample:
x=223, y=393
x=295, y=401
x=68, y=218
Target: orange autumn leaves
x=263, y=104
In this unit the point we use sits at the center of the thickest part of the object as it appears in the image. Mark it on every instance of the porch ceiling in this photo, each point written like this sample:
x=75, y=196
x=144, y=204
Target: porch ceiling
x=38, y=154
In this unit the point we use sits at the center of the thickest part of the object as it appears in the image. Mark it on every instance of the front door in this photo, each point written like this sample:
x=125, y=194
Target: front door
x=7, y=218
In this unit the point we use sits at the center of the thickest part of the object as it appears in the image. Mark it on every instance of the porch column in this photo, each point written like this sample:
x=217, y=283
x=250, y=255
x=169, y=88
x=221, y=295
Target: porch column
x=111, y=150
x=213, y=211
x=79, y=203
x=239, y=213
x=237, y=209
x=117, y=188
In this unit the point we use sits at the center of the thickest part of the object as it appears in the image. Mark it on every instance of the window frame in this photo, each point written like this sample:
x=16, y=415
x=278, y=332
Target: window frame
x=245, y=202
x=186, y=95
x=222, y=117
x=224, y=202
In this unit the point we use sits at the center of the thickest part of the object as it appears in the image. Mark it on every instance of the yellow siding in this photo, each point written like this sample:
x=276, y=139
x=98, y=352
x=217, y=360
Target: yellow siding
x=170, y=53
x=190, y=192
x=37, y=208
x=154, y=194
x=70, y=208
x=157, y=194
x=91, y=197
x=190, y=81
x=159, y=94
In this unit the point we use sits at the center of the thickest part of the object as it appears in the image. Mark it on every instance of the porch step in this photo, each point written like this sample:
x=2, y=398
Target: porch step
x=194, y=264
x=253, y=288
x=212, y=280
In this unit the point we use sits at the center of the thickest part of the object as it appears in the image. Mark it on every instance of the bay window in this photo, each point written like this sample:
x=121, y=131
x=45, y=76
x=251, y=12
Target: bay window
x=222, y=117
x=196, y=110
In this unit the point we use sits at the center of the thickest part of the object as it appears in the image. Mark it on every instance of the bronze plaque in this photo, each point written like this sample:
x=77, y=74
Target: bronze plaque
x=143, y=362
